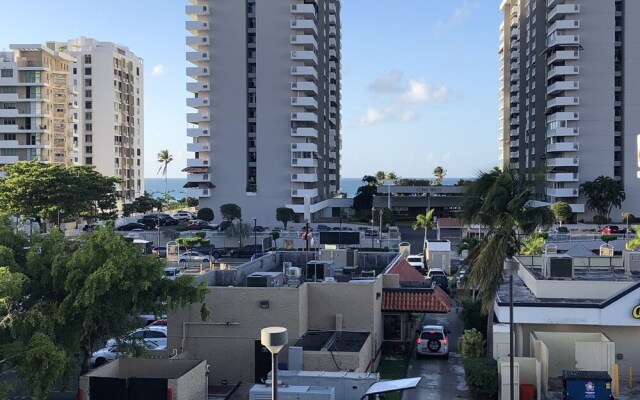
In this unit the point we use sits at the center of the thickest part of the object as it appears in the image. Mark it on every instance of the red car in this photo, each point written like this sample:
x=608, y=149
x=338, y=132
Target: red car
x=611, y=230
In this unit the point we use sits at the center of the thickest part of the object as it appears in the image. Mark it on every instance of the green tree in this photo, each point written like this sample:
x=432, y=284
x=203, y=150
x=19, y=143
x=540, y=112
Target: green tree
x=532, y=244
x=439, y=174
x=53, y=192
x=425, y=221
x=206, y=214
x=74, y=296
x=603, y=194
x=561, y=211
x=164, y=158
x=146, y=203
x=634, y=244
x=230, y=211
x=285, y=215
x=363, y=200
x=471, y=344
x=468, y=243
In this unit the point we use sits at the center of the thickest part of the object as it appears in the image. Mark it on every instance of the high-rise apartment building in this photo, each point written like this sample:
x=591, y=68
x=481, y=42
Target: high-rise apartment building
x=79, y=102
x=36, y=106
x=266, y=92
x=570, y=89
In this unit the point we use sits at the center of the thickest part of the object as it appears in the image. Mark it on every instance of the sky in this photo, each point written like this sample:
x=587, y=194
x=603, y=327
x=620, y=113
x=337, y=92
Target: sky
x=419, y=77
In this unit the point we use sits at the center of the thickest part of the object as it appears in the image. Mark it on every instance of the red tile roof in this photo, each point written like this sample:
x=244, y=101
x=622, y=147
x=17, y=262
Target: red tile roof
x=416, y=300
x=407, y=272
x=450, y=223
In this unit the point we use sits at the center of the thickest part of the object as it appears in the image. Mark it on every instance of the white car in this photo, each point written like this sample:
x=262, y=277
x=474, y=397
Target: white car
x=183, y=216
x=417, y=262
x=154, y=334
x=110, y=353
x=195, y=256
x=172, y=272
x=433, y=341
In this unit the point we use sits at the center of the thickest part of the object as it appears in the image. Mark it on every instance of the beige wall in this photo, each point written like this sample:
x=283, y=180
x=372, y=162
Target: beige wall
x=339, y=361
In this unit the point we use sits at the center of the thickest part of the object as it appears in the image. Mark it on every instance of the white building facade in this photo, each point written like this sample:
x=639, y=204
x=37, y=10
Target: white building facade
x=569, y=87
x=265, y=129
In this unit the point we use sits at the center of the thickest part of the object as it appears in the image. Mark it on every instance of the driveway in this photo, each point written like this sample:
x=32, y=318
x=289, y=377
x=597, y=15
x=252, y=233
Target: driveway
x=441, y=379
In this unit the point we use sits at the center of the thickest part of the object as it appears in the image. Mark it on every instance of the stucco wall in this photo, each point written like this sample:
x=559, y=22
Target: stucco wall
x=339, y=361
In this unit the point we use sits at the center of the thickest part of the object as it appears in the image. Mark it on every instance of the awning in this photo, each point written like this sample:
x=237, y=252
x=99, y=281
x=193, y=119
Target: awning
x=416, y=300
x=199, y=185
x=196, y=170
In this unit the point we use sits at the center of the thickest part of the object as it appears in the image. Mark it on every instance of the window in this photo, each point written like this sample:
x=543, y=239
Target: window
x=8, y=121
x=88, y=127
x=87, y=93
x=8, y=152
x=6, y=73
x=87, y=58
x=87, y=71
x=87, y=105
x=88, y=115
x=89, y=160
x=9, y=136
x=87, y=82
x=75, y=70
x=8, y=89
x=88, y=149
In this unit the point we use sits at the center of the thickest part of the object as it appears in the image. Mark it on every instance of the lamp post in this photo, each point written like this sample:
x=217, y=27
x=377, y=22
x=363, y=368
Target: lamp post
x=255, y=234
x=380, y=239
x=274, y=339
x=373, y=216
x=510, y=268
x=389, y=195
x=241, y=231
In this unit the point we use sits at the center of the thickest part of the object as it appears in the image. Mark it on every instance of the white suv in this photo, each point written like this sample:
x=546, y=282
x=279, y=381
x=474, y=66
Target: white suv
x=433, y=341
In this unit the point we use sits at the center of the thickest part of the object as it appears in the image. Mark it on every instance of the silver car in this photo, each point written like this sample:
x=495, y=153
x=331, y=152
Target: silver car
x=110, y=353
x=433, y=341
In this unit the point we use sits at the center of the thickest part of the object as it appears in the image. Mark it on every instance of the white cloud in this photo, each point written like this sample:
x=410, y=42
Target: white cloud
x=388, y=83
x=459, y=16
x=158, y=70
x=375, y=116
x=420, y=92
x=446, y=156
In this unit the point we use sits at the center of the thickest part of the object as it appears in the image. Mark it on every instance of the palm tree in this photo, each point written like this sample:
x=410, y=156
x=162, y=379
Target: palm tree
x=425, y=221
x=164, y=158
x=439, y=173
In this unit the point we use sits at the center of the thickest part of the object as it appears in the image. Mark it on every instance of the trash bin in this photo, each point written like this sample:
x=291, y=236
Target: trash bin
x=527, y=391
x=586, y=385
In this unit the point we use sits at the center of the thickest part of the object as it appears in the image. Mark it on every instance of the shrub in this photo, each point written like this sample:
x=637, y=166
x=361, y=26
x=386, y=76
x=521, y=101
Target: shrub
x=205, y=214
x=608, y=238
x=472, y=316
x=481, y=377
x=600, y=220
x=471, y=344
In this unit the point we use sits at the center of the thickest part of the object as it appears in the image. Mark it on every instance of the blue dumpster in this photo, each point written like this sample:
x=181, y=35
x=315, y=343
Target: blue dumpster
x=586, y=385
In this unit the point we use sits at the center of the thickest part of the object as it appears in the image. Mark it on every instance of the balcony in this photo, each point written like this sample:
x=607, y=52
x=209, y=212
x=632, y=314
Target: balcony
x=306, y=10
x=304, y=162
x=304, y=25
x=8, y=160
x=198, y=178
x=196, y=72
x=563, y=86
x=197, y=132
x=198, y=193
x=562, y=131
x=562, y=71
x=332, y=31
x=9, y=113
x=196, y=102
x=297, y=132
x=563, y=116
x=309, y=147
x=197, y=147
x=9, y=144
x=194, y=118
x=8, y=128
x=306, y=102
x=304, y=117
x=563, y=40
x=13, y=97
x=563, y=162
x=514, y=144
x=562, y=10
x=562, y=102
x=304, y=40
x=562, y=192
x=514, y=133
x=304, y=178
x=304, y=71
x=305, y=87
x=198, y=43
x=332, y=19
x=306, y=56
x=196, y=10
x=564, y=24
x=562, y=147
x=196, y=87
x=197, y=26
x=197, y=56
x=197, y=162
x=311, y=193
x=563, y=177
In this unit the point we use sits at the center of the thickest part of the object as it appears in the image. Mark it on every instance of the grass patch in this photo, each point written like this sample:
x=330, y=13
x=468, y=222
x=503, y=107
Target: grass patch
x=393, y=369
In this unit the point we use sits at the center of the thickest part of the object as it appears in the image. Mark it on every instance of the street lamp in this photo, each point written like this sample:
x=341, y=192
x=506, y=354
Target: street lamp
x=241, y=232
x=380, y=239
x=255, y=234
x=511, y=267
x=373, y=216
x=274, y=339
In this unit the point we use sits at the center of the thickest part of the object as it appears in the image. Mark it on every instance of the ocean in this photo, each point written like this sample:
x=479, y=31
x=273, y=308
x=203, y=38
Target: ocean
x=155, y=186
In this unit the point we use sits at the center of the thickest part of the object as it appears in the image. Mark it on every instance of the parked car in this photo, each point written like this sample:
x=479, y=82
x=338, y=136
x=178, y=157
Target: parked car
x=562, y=230
x=210, y=250
x=259, y=228
x=172, y=272
x=371, y=232
x=154, y=334
x=195, y=256
x=183, y=216
x=159, y=251
x=323, y=228
x=163, y=219
x=110, y=353
x=433, y=341
x=132, y=226
x=224, y=225
x=416, y=262
x=246, y=251
x=438, y=276
x=611, y=230
x=198, y=224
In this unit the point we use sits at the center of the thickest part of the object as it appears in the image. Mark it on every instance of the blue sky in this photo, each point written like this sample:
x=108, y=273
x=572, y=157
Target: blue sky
x=419, y=77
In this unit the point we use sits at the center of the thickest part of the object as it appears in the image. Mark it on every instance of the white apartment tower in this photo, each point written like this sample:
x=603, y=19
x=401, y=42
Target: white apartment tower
x=36, y=106
x=570, y=91
x=265, y=127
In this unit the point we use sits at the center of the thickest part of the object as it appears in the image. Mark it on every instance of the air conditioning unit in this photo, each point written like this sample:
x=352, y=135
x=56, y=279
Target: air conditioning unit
x=557, y=267
x=294, y=272
x=352, y=259
x=631, y=261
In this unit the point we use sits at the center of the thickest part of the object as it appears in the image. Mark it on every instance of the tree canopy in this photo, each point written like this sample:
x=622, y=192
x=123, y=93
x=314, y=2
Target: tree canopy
x=164, y=158
x=603, y=193
x=561, y=211
x=206, y=214
x=439, y=174
x=230, y=211
x=60, y=299
x=51, y=191
x=285, y=215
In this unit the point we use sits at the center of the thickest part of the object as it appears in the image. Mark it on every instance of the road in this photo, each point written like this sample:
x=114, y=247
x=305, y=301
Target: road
x=441, y=379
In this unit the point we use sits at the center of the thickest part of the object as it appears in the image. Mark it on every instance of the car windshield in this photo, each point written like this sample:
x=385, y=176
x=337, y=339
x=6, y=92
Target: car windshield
x=431, y=335
x=414, y=259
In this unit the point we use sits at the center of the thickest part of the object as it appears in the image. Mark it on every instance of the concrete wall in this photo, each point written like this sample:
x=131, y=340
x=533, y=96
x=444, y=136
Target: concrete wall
x=192, y=385
x=631, y=97
x=339, y=361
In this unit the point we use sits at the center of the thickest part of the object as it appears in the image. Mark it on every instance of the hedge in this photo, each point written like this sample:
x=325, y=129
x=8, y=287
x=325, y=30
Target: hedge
x=481, y=377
